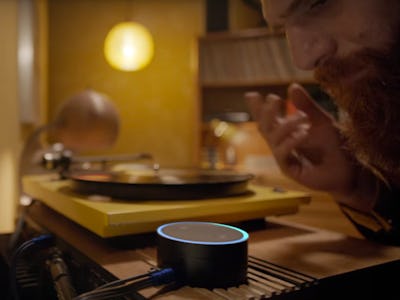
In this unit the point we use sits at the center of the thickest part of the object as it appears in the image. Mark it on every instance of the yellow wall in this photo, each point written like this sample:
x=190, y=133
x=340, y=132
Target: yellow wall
x=242, y=16
x=159, y=105
x=9, y=129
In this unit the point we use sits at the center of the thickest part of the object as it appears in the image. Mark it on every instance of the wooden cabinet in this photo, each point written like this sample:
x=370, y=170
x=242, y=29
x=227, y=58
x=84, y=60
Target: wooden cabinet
x=231, y=63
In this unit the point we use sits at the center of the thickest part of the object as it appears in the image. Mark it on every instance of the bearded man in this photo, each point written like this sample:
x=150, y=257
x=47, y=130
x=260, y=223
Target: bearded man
x=354, y=49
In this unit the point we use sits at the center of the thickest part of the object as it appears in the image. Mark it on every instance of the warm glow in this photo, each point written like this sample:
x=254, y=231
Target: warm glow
x=8, y=190
x=128, y=47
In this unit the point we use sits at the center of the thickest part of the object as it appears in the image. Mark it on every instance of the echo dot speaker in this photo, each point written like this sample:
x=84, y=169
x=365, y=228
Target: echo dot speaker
x=204, y=254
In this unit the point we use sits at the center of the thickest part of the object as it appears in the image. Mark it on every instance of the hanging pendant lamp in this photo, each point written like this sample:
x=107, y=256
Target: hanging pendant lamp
x=129, y=46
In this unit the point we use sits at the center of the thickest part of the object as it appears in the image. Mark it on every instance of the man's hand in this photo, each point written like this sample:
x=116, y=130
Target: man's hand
x=306, y=144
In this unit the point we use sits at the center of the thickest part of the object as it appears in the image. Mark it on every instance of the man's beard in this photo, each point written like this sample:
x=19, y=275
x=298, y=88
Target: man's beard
x=371, y=103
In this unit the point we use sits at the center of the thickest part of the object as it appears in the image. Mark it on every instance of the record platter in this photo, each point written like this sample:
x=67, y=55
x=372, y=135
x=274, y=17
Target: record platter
x=160, y=184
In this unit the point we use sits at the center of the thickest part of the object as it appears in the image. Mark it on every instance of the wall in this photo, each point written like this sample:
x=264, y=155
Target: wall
x=158, y=105
x=9, y=129
x=244, y=16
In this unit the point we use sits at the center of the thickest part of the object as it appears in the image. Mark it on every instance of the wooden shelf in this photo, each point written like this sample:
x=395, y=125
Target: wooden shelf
x=241, y=83
x=251, y=57
x=231, y=63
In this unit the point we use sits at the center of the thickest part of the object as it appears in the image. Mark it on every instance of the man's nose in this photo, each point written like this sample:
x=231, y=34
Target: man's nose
x=308, y=47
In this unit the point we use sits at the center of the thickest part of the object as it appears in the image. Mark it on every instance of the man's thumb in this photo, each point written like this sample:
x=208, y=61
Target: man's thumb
x=302, y=100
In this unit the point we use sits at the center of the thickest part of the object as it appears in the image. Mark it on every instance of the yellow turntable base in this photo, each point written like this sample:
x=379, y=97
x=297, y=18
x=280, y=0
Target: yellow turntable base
x=113, y=217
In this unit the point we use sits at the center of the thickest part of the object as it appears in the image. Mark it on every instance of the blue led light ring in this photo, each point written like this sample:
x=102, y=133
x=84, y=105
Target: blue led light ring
x=244, y=234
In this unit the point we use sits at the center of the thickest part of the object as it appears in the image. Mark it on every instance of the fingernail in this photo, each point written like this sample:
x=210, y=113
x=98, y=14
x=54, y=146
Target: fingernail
x=272, y=97
x=304, y=127
x=301, y=113
x=299, y=134
x=251, y=94
x=301, y=131
x=279, y=120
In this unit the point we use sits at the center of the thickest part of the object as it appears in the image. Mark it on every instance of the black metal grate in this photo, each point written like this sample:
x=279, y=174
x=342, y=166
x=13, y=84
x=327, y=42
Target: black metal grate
x=274, y=279
x=265, y=281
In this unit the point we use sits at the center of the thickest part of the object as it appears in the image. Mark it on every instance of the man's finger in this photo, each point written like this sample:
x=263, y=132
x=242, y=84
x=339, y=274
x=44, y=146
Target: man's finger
x=254, y=102
x=303, y=101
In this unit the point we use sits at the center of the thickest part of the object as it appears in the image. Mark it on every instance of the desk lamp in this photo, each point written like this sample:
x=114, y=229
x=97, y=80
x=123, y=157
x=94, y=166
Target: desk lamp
x=87, y=121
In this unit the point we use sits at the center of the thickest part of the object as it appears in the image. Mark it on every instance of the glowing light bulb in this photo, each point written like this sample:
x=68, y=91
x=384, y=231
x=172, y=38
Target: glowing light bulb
x=129, y=46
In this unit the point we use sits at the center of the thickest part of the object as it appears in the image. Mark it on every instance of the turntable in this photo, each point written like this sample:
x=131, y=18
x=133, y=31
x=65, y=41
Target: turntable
x=233, y=200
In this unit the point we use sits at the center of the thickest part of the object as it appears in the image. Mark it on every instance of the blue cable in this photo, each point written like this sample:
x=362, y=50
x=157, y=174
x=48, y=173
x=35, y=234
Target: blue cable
x=42, y=241
x=162, y=276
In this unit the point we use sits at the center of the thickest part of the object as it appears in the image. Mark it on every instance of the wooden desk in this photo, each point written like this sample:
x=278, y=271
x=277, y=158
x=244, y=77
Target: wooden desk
x=322, y=211
x=344, y=266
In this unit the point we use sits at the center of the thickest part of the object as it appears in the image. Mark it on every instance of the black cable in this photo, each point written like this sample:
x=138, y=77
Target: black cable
x=59, y=272
x=122, y=281
x=113, y=292
x=126, y=286
x=40, y=241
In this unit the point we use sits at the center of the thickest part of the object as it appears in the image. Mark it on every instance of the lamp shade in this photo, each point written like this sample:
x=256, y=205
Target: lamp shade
x=128, y=46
